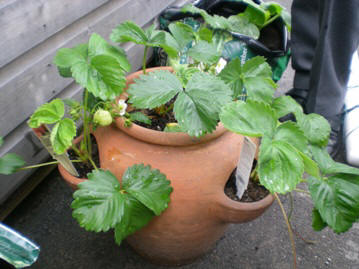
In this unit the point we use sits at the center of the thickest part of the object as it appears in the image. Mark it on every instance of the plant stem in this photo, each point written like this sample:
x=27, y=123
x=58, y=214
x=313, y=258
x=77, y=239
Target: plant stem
x=168, y=108
x=77, y=151
x=270, y=20
x=93, y=163
x=144, y=60
x=303, y=191
x=289, y=230
x=44, y=164
x=291, y=206
x=87, y=139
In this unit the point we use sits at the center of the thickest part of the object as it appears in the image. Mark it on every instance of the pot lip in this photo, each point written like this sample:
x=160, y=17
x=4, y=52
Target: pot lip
x=263, y=203
x=68, y=177
x=65, y=174
x=164, y=138
x=159, y=137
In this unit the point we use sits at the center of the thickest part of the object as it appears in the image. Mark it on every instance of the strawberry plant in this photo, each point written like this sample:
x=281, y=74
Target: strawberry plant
x=102, y=202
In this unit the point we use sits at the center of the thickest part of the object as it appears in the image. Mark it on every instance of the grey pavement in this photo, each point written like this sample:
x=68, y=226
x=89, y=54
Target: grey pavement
x=45, y=217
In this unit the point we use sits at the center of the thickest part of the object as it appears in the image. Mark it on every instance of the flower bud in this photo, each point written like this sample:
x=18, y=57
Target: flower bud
x=102, y=117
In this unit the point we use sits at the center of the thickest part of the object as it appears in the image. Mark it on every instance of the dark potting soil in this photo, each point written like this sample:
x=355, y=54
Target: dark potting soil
x=84, y=168
x=253, y=193
x=158, y=120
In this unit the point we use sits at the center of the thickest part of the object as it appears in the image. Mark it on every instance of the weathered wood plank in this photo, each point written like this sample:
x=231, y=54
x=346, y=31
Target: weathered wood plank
x=26, y=23
x=32, y=80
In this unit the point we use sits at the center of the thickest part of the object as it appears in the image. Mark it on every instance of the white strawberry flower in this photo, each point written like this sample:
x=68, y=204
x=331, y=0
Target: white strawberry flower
x=220, y=65
x=122, y=106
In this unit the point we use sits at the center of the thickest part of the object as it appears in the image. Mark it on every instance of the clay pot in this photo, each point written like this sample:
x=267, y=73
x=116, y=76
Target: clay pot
x=199, y=211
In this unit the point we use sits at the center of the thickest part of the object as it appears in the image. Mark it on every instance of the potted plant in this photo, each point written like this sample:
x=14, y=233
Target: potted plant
x=191, y=148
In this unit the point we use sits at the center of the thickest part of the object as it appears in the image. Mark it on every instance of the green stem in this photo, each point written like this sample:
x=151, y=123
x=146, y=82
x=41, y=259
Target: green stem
x=93, y=164
x=77, y=151
x=289, y=230
x=45, y=164
x=291, y=206
x=87, y=138
x=168, y=108
x=270, y=20
x=144, y=60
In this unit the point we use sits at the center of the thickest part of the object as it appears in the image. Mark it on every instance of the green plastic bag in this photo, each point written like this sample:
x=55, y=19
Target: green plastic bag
x=240, y=46
x=16, y=249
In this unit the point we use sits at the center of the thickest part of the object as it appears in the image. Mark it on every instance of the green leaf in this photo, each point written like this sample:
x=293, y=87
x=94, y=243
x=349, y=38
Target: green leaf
x=197, y=108
x=108, y=80
x=284, y=105
x=47, y=114
x=293, y=135
x=316, y=128
x=256, y=67
x=71, y=103
x=216, y=22
x=280, y=167
x=129, y=31
x=318, y=223
x=327, y=165
x=99, y=46
x=205, y=52
x=241, y=24
x=92, y=101
x=169, y=45
x=337, y=200
x=256, y=14
x=205, y=34
x=99, y=67
x=136, y=215
x=251, y=118
x=154, y=89
x=9, y=163
x=256, y=76
x=231, y=74
x=182, y=33
x=185, y=73
x=66, y=57
x=1, y=141
x=149, y=186
x=310, y=166
x=260, y=88
x=99, y=204
x=140, y=117
x=62, y=135
x=272, y=7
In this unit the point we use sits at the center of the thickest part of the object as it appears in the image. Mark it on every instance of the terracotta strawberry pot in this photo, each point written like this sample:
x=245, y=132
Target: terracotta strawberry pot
x=199, y=211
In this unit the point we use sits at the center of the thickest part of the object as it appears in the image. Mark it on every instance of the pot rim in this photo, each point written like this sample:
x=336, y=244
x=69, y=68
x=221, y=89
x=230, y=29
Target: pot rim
x=160, y=137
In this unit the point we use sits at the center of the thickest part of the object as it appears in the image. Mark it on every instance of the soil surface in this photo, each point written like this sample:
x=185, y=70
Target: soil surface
x=253, y=193
x=84, y=168
x=159, y=119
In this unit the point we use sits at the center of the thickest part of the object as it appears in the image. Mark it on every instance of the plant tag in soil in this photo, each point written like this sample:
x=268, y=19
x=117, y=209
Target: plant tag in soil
x=244, y=165
x=43, y=133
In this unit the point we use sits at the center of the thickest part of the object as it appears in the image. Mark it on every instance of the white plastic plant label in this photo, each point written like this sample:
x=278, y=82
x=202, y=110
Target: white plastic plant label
x=244, y=165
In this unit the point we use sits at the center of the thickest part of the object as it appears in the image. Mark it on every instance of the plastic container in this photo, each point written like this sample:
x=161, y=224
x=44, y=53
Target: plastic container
x=351, y=119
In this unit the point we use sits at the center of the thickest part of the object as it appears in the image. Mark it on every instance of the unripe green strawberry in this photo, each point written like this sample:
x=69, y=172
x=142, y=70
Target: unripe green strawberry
x=102, y=117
